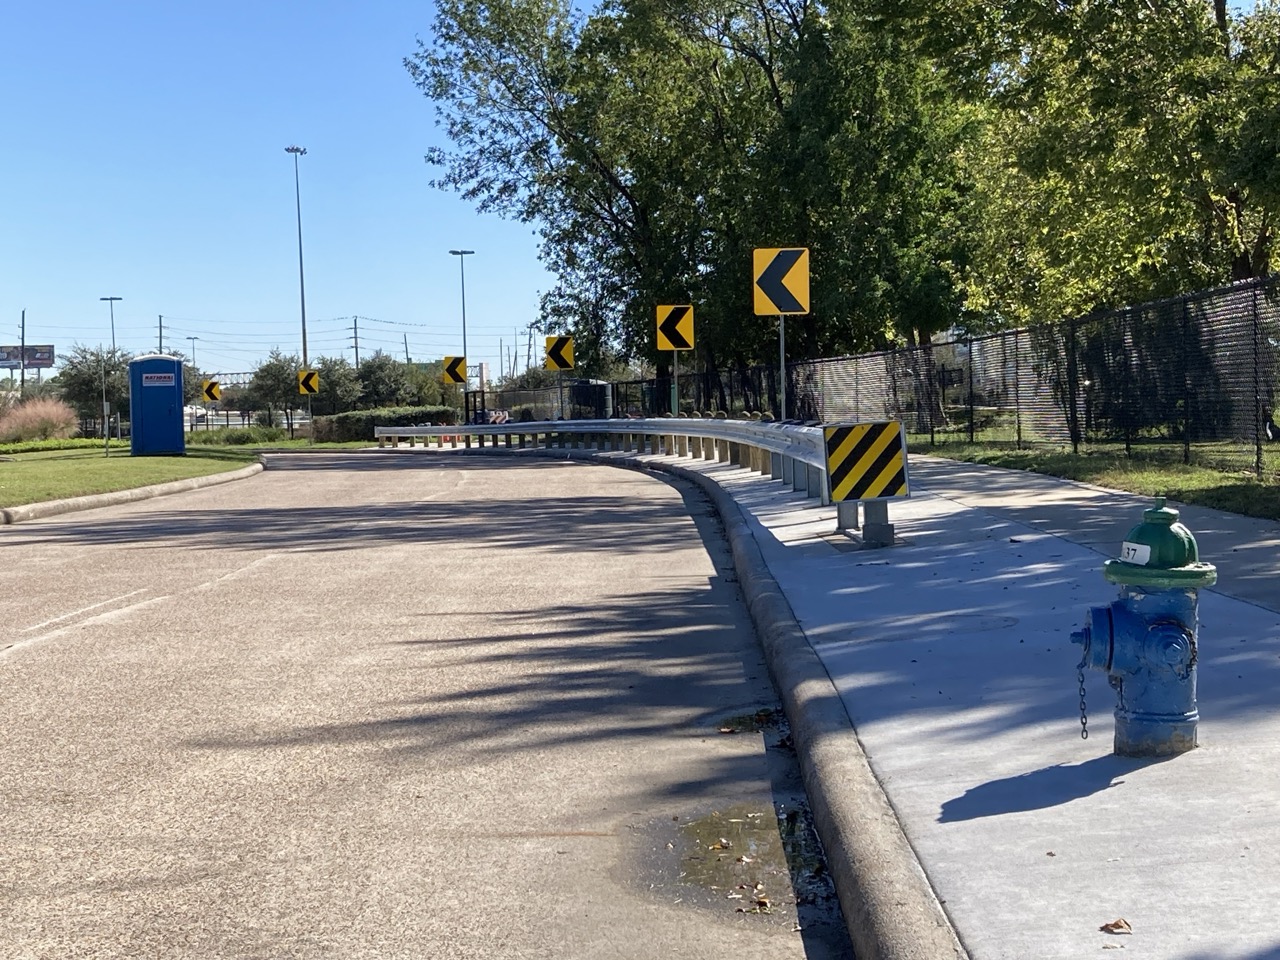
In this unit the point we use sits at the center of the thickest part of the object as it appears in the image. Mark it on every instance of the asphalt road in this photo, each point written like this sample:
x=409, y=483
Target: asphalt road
x=395, y=706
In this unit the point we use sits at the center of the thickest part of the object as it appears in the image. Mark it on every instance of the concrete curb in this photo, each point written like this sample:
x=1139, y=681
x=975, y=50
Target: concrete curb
x=52, y=508
x=890, y=908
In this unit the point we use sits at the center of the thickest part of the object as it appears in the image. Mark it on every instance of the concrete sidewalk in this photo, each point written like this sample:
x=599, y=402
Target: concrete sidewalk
x=951, y=653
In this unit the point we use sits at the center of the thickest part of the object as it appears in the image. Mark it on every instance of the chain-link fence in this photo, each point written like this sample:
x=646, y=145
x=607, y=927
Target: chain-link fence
x=571, y=400
x=1192, y=378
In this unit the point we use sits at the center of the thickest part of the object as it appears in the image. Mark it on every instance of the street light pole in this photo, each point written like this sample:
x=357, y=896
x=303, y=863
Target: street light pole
x=111, y=302
x=193, y=352
x=462, y=272
x=302, y=288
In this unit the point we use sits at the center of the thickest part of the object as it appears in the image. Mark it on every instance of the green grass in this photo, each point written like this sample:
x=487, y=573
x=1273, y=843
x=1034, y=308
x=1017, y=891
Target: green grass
x=57, y=474
x=1155, y=471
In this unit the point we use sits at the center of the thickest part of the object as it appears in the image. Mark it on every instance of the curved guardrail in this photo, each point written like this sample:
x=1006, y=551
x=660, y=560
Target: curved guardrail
x=794, y=453
x=791, y=452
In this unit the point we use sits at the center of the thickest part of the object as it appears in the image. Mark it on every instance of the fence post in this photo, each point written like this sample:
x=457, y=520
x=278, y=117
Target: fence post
x=1186, y=383
x=1017, y=386
x=1258, y=424
x=971, y=389
x=1073, y=370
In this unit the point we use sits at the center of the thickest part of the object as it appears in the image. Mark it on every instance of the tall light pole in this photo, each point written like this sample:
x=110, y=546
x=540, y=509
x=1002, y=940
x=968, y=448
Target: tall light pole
x=193, y=352
x=462, y=269
x=302, y=288
x=111, y=302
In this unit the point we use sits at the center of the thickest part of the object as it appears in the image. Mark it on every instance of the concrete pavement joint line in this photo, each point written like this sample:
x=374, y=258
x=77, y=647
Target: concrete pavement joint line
x=76, y=613
x=210, y=584
x=890, y=908
x=91, y=621
x=52, y=508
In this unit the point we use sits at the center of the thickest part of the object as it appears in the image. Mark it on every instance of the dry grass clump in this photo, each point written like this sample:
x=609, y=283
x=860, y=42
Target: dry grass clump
x=41, y=418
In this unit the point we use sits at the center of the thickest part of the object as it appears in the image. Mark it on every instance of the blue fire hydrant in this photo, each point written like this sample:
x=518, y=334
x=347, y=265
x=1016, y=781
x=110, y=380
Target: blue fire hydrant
x=1146, y=641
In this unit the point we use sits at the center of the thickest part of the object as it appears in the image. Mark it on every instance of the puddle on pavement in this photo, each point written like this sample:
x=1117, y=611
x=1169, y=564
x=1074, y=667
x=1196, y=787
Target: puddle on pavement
x=761, y=860
x=751, y=722
x=756, y=861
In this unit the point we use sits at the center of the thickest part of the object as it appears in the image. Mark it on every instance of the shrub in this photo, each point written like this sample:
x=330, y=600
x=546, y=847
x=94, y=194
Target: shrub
x=41, y=418
x=359, y=424
x=237, y=436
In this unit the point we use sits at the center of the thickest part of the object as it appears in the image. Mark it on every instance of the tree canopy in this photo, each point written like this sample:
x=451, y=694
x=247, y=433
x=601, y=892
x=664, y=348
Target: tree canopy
x=971, y=163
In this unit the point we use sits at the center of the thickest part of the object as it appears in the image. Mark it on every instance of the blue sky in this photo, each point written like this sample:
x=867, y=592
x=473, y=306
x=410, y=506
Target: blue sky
x=143, y=157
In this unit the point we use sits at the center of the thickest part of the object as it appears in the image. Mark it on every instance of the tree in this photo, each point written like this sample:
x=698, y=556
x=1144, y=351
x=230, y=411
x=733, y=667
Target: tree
x=339, y=389
x=656, y=144
x=1116, y=160
x=384, y=382
x=86, y=372
x=274, y=386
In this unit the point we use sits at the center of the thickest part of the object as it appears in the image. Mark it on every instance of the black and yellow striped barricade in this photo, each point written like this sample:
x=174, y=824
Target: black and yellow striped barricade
x=866, y=463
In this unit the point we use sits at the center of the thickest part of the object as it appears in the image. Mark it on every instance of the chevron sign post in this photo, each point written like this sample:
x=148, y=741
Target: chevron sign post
x=781, y=287
x=675, y=333
x=559, y=357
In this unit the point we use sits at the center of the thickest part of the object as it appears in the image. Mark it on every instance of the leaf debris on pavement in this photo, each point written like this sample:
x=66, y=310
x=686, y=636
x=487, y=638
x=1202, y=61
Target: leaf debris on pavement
x=1119, y=925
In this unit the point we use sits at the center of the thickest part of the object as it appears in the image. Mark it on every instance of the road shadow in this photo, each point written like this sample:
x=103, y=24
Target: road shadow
x=565, y=524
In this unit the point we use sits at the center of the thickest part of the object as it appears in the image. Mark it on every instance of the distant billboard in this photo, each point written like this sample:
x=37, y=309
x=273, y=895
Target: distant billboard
x=40, y=355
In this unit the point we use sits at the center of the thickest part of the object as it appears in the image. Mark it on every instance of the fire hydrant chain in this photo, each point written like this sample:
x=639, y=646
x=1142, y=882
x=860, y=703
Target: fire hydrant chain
x=1084, y=715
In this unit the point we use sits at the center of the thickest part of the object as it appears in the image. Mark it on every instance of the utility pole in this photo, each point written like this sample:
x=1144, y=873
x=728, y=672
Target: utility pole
x=528, y=362
x=355, y=327
x=160, y=349
x=406, y=349
x=22, y=357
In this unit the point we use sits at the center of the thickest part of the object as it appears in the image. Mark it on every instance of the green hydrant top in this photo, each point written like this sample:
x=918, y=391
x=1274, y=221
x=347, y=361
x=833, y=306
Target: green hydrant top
x=1160, y=552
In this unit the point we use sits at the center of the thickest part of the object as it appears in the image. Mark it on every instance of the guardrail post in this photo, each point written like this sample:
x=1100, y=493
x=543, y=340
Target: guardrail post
x=877, y=531
x=695, y=447
x=775, y=465
x=800, y=477
x=453, y=441
x=709, y=448
x=653, y=443
x=847, y=515
x=682, y=446
x=788, y=469
x=722, y=449
x=816, y=487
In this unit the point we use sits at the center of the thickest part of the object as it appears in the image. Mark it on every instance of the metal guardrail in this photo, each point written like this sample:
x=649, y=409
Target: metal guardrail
x=794, y=453
x=791, y=452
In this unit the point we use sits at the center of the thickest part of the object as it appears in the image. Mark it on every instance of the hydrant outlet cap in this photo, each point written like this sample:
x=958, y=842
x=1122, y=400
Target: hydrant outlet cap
x=1160, y=552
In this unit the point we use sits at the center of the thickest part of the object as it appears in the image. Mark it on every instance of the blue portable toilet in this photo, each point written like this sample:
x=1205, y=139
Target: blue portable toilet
x=155, y=406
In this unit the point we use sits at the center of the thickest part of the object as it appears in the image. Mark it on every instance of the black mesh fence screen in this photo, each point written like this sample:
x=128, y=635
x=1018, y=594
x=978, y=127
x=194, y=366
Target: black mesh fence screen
x=1192, y=379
